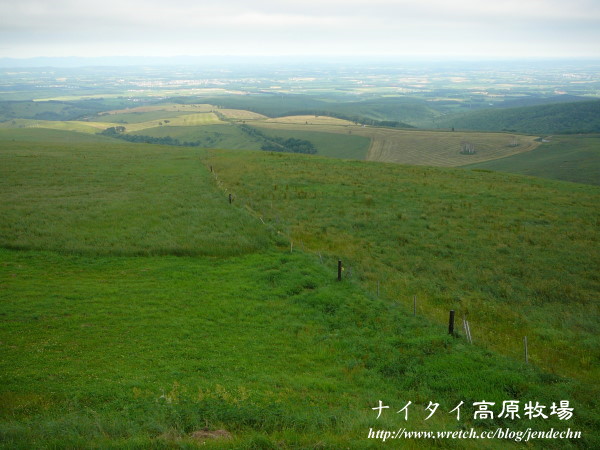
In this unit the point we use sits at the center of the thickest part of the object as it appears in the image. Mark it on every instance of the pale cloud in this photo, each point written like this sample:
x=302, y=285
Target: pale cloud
x=153, y=27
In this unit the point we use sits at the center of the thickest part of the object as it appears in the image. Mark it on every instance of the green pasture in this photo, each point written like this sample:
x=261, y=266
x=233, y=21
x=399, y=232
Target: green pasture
x=138, y=352
x=139, y=306
x=138, y=117
x=329, y=144
x=567, y=157
x=210, y=136
x=116, y=199
x=64, y=125
x=516, y=256
x=46, y=135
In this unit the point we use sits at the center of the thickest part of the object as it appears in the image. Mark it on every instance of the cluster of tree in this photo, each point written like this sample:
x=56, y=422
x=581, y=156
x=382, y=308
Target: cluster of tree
x=278, y=144
x=467, y=148
x=118, y=132
x=290, y=145
x=557, y=118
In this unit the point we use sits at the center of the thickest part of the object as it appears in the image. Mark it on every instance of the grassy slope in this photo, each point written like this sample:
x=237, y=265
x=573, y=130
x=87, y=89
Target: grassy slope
x=141, y=351
x=138, y=351
x=45, y=135
x=569, y=158
x=517, y=255
x=578, y=117
x=102, y=201
x=329, y=144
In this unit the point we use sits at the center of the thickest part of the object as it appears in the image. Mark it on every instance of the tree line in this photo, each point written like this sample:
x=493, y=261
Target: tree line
x=119, y=133
x=278, y=144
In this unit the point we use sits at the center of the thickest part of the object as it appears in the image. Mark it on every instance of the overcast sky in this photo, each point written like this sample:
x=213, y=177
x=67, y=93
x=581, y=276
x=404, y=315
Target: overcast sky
x=452, y=28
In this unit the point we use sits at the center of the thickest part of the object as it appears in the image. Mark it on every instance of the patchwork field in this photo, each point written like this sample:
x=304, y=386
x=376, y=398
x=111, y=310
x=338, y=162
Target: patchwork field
x=433, y=148
x=419, y=147
x=310, y=120
x=169, y=107
x=240, y=114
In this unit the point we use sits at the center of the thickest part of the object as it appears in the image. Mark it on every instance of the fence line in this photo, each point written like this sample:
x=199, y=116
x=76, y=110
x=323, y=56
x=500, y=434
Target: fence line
x=349, y=274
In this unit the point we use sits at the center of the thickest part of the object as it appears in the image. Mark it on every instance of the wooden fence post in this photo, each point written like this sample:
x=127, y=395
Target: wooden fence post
x=339, y=270
x=451, y=322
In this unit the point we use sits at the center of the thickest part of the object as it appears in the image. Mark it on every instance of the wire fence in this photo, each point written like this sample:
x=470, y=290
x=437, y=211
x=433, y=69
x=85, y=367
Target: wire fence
x=515, y=347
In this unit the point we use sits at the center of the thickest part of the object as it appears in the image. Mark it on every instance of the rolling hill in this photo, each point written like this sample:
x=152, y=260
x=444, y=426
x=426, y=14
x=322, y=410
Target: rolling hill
x=558, y=118
x=570, y=158
x=159, y=310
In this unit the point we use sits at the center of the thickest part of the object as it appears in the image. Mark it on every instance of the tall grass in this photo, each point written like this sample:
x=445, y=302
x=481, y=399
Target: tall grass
x=517, y=256
x=117, y=199
x=139, y=306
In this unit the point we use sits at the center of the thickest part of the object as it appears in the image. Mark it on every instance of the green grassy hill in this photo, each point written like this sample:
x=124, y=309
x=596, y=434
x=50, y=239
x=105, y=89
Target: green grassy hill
x=508, y=251
x=58, y=110
x=567, y=157
x=559, y=118
x=139, y=306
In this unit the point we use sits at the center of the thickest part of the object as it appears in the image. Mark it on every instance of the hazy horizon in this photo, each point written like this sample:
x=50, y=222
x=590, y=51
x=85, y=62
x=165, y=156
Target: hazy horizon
x=465, y=29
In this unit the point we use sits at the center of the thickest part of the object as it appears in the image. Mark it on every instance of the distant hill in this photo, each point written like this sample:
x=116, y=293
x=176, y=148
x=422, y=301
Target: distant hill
x=556, y=118
x=570, y=158
x=400, y=109
x=396, y=112
x=535, y=100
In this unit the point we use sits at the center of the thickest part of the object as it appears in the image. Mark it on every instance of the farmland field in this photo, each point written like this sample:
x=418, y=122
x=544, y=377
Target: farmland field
x=240, y=114
x=169, y=107
x=310, y=120
x=434, y=148
x=71, y=125
x=333, y=145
